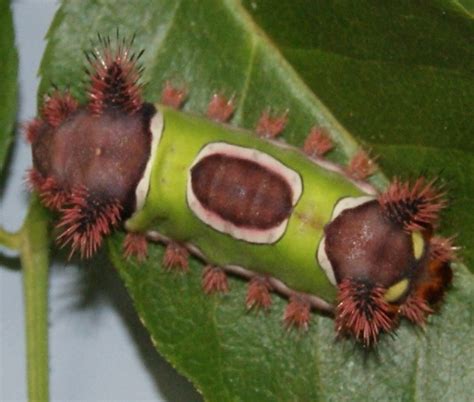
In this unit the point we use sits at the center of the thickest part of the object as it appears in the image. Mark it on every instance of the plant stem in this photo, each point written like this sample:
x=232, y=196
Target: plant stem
x=9, y=240
x=34, y=254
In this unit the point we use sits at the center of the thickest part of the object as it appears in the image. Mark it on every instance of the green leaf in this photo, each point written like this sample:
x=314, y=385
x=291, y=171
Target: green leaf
x=468, y=5
x=8, y=80
x=400, y=77
x=232, y=355
x=345, y=54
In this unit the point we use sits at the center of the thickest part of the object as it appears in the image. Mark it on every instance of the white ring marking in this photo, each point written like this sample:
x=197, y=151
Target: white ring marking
x=268, y=162
x=156, y=128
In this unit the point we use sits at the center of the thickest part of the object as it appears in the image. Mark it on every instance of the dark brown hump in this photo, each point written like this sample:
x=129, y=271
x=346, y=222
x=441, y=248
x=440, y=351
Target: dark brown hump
x=241, y=191
x=363, y=245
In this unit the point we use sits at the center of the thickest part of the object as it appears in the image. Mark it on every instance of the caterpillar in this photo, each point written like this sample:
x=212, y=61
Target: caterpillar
x=286, y=219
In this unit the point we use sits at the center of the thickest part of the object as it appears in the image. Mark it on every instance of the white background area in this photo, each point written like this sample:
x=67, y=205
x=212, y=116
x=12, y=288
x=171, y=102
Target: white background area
x=98, y=349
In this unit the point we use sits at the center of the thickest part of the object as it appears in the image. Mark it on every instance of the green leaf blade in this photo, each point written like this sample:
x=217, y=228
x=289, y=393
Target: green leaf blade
x=396, y=76
x=232, y=355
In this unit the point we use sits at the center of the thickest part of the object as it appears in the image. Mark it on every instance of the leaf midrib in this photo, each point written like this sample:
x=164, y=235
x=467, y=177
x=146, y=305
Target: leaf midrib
x=245, y=19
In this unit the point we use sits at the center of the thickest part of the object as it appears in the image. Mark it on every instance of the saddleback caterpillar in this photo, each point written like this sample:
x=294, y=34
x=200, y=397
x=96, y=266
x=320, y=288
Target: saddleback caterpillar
x=286, y=219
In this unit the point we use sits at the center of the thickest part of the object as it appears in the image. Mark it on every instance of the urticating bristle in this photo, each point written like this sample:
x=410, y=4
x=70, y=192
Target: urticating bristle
x=85, y=221
x=361, y=166
x=135, y=245
x=220, y=108
x=32, y=129
x=415, y=207
x=362, y=311
x=52, y=195
x=214, y=280
x=115, y=76
x=258, y=293
x=173, y=96
x=271, y=126
x=34, y=180
x=442, y=249
x=297, y=313
x=416, y=310
x=317, y=142
x=176, y=258
x=57, y=107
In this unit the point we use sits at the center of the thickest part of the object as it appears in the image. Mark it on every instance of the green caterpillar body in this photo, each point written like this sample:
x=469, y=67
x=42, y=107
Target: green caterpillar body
x=299, y=225
x=291, y=258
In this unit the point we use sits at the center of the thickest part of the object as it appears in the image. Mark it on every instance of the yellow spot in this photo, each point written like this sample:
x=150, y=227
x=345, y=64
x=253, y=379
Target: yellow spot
x=98, y=151
x=396, y=291
x=418, y=244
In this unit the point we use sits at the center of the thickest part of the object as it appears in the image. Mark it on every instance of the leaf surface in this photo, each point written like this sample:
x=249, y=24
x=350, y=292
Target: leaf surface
x=400, y=77
x=384, y=82
x=8, y=80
